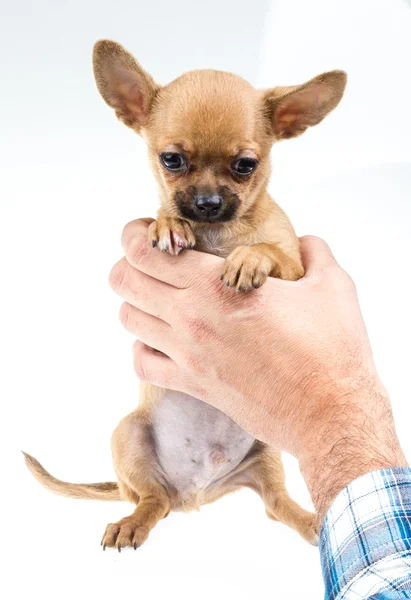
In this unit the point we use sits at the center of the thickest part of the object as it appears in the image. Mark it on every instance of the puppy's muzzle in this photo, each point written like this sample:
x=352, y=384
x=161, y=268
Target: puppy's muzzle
x=208, y=206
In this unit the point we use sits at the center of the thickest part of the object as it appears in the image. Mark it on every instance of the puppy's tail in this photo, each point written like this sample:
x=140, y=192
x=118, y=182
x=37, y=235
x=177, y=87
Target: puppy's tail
x=90, y=491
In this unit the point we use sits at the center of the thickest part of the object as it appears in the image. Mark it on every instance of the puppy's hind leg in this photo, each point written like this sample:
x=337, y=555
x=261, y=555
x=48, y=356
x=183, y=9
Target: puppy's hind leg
x=134, y=530
x=140, y=481
x=266, y=476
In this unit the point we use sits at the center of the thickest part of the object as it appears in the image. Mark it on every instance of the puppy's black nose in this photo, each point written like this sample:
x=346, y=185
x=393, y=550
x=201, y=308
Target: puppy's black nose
x=208, y=206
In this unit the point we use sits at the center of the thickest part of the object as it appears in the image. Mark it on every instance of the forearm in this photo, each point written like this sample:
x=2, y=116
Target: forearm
x=361, y=487
x=356, y=435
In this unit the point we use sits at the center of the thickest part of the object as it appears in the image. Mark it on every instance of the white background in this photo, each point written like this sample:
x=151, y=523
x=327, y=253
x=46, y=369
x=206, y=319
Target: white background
x=71, y=177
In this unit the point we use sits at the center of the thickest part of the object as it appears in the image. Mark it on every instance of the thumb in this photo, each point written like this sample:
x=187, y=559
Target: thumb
x=316, y=254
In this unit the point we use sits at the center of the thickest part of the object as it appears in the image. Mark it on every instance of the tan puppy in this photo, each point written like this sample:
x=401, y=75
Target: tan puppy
x=209, y=136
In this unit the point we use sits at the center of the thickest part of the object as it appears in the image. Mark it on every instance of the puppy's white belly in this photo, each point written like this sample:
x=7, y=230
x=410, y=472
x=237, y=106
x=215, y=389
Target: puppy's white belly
x=195, y=443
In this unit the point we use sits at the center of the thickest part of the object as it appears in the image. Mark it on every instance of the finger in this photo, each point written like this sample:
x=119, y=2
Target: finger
x=142, y=291
x=316, y=254
x=180, y=271
x=154, y=367
x=137, y=227
x=148, y=329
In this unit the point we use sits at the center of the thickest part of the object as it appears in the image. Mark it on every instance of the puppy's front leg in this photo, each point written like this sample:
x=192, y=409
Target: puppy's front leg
x=248, y=267
x=171, y=235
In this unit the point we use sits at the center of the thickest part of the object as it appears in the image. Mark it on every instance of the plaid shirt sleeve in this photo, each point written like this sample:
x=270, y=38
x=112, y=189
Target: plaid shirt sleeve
x=365, y=540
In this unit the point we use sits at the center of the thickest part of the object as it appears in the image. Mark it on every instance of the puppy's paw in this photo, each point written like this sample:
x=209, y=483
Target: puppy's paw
x=246, y=268
x=309, y=528
x=126, y=533
x=171, y=235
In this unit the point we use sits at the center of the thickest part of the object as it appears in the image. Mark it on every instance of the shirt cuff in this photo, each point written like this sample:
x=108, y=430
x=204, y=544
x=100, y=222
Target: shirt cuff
x=365, y=539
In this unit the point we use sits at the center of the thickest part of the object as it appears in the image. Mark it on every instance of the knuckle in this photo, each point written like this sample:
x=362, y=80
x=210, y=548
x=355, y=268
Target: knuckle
x=136, y=249
x=139, y=362
x=315, y=242
x=335, y=276
x=125, y=314
x=118, y=275
x=130, y=230
x=127, y=233
x=139, y=370
x=349, y=280
x=311, y=238
x=331, y=269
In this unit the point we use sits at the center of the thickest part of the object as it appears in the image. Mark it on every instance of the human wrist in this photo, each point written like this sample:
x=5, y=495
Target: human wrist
x=327, y=474
x=353, y=436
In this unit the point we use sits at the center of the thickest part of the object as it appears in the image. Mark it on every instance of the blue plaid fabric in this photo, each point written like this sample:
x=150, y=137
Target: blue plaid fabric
x=365, y=540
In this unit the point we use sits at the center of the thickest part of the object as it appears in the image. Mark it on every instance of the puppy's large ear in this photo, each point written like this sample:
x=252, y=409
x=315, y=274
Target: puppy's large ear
x=291, y=110
x=124, y=85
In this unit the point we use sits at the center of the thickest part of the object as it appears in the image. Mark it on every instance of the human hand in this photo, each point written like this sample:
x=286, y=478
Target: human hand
x=290, y=362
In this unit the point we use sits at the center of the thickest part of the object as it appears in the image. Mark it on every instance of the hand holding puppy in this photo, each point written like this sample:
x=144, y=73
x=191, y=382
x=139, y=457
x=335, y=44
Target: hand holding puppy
x=291, y=362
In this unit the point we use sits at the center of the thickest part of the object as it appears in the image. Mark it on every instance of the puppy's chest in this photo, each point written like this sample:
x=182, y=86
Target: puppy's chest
x=216, y=241
x=196, y=444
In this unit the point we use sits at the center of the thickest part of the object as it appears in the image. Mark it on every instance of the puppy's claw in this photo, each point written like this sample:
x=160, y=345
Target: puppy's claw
x=246, y=269
x=126, y=533
x=171, y=235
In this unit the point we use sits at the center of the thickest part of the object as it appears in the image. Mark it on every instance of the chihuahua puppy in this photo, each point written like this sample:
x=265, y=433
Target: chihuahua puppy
x=209, y=136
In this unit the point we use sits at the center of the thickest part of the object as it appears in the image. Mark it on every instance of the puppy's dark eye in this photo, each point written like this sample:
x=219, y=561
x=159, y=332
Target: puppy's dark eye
x=244, y=166
x=173, y=161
